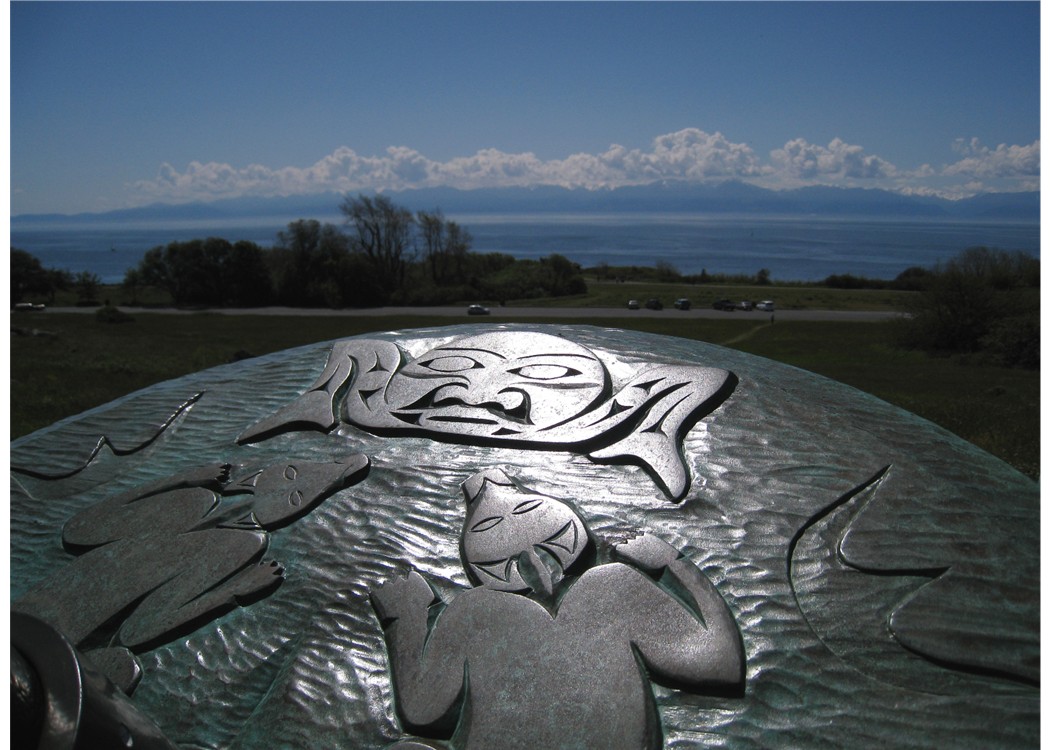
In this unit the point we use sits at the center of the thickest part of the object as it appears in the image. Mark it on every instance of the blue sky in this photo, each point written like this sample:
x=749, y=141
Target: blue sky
x=124, y=104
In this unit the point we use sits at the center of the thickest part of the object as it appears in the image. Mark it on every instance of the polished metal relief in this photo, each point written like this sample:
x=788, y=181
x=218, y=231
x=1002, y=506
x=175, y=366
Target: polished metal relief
x=165, y=558
x=515, y=388
x=794, y=595
x=552, y=648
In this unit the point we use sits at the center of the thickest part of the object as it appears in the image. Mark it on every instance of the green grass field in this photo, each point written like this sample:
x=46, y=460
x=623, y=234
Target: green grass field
x=86, y=363
x=786, y=297
x=615, y=294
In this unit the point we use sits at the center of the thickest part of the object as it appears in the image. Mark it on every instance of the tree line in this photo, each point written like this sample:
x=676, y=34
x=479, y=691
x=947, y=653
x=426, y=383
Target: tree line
x=384, y=255
x=983, y=303
x=30, y=280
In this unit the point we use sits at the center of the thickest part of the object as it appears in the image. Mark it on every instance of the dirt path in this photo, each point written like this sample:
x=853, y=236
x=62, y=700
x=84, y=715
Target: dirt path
x=745, y=335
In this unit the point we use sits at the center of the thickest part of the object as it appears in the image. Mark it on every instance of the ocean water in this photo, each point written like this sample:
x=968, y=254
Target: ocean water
x=793, y=249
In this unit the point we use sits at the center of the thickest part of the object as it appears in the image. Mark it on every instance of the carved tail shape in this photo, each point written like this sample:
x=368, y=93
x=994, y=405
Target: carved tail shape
x=669, y=400
x=318, y=407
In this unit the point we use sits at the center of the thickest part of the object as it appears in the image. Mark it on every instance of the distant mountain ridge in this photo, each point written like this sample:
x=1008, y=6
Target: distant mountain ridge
x=666, y=197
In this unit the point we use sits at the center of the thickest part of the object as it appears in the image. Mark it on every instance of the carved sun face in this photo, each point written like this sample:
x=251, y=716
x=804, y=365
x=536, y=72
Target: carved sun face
x=499, y=385
x=520, y=541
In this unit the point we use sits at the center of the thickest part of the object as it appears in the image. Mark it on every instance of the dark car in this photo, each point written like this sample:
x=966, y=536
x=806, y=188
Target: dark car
x=683, y=304
x=724, y=304
x=632, y=304
x=477, y=310
x=654, y=304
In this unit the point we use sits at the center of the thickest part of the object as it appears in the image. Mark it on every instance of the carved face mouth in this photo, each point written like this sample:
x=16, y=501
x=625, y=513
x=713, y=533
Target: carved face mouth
x=538, y=569
x=517, y=540
x=450, y=403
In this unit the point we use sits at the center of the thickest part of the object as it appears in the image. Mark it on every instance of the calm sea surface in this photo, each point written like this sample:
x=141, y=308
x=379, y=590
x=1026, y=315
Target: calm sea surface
x=793, y=249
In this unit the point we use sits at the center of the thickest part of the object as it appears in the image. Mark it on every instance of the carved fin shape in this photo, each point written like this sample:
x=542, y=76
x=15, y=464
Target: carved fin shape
x=314, y=410
x=656, y=453
x=678, y=397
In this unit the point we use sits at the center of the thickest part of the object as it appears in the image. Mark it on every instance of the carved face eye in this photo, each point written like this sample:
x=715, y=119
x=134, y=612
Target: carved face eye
x=545, y=372
x=295, y=497
x=526, y=506
x=486, y=523
x=452, y=364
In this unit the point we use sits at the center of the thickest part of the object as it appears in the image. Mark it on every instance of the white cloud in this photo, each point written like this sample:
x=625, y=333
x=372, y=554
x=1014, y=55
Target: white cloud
x=694, y=154
x=1002, y=162
x=839, y=160
x=690, y=155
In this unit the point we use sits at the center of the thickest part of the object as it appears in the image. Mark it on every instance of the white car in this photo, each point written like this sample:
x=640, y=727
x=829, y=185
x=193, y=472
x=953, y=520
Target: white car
x=766, y=305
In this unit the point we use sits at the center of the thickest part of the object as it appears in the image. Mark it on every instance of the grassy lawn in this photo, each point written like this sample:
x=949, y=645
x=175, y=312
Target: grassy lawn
x=616, y=294
x=786, y=297
x=87, y=363
x=995, y=408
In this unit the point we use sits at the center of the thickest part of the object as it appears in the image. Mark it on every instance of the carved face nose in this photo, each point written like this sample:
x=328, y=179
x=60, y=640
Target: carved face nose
x=540, y=571
x=489, y=398
x=505, y=404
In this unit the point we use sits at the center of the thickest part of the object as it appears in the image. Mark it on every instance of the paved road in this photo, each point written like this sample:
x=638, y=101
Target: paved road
x=583, y=313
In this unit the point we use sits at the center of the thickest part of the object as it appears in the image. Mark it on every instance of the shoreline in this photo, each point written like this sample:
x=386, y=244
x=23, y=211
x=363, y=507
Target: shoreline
x=803, y=250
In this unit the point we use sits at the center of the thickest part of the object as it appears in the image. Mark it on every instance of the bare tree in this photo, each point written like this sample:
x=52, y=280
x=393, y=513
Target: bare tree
x=383, y=233
x=445, y=245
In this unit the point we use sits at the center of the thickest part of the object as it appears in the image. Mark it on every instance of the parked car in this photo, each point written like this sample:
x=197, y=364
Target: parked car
x=654, y=304
x=724, y=304
x=29, y=307
x=477, y=310
x=746, y=304
x=765, y=305
x=632, y=304
x=683, y=304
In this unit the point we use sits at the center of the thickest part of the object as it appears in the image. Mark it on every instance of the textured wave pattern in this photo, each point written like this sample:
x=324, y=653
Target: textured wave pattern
x=306, y=667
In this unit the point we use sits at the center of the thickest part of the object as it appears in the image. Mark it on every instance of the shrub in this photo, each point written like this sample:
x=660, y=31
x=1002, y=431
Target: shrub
x=1014, y=342
x=110, y=314
x=980, y=302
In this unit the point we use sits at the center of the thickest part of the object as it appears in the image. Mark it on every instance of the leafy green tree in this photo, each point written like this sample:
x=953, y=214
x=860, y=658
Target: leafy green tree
x=246, y=277
x=564, y=276
x=153, y=271
x=87, y=286
x=193, y=272
x=29, y=277
x=358, y=285
x=309, y=263
x=179, y=268
x=131, y=284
